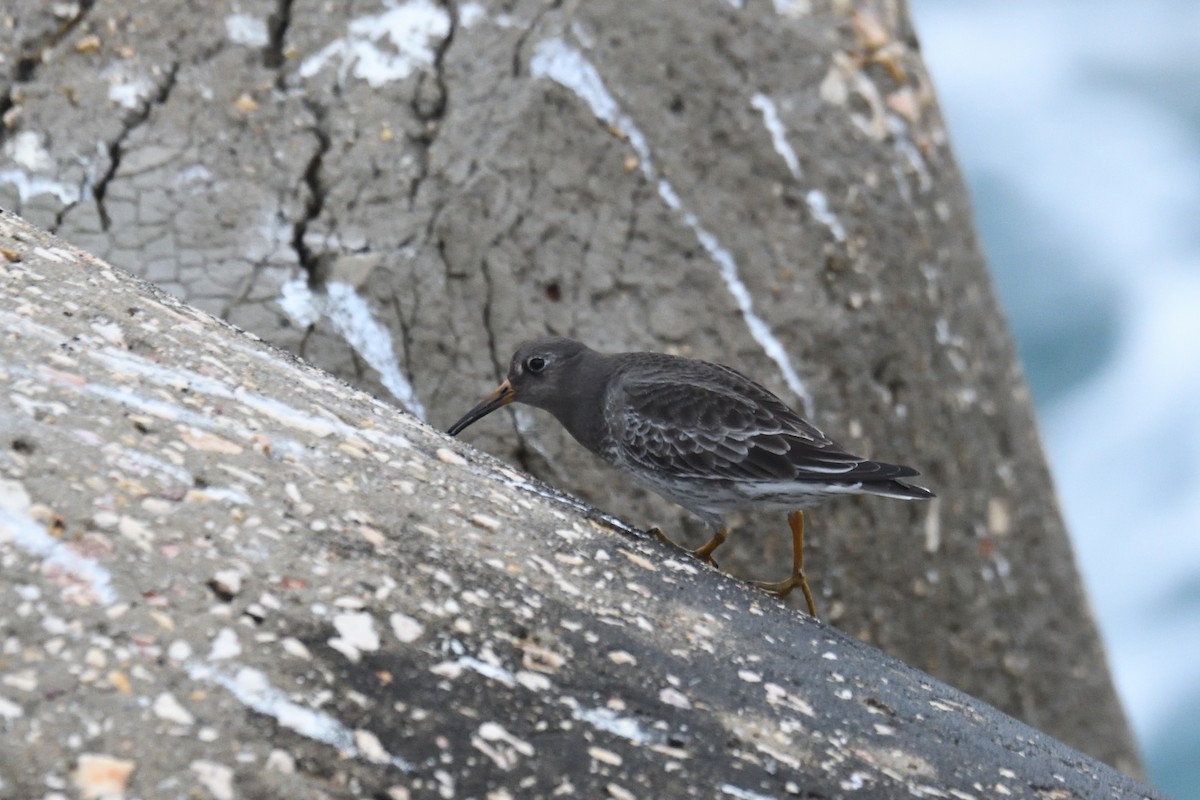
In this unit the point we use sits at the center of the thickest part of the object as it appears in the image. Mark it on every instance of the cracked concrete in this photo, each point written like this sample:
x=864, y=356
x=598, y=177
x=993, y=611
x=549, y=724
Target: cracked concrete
x=309, y=262
x=407, y=150
x=164, y=81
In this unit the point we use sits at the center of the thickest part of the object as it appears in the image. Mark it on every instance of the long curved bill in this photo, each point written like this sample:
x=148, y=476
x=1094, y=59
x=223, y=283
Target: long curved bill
x=503, y=395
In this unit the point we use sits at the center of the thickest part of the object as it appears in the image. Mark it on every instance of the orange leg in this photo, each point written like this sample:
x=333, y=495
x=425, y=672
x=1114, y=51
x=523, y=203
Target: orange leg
x=704, y=552
x=782, y=589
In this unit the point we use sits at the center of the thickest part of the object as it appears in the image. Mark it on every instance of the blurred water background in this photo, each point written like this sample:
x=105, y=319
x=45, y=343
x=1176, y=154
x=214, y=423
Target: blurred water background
x=1077, y=123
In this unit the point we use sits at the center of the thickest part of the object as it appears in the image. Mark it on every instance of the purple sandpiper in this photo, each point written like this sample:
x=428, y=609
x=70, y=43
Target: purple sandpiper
x=700, y=434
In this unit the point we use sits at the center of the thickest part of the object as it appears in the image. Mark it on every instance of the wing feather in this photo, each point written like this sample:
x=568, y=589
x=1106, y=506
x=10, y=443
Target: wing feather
x=717, y=424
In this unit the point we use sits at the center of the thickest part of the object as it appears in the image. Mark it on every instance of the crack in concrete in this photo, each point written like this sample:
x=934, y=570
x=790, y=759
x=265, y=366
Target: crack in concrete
x=485, y=270
x=66, y=209
x=438, y=108
x=631, y=221
x=315, y=202
x=278, y=24
x=116, y=147
x=406, y=341
x=433, y=116
x=525, y=34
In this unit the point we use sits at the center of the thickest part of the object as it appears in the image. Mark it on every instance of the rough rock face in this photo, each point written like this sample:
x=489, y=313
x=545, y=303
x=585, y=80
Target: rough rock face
x=225, y=574
x=402, y=191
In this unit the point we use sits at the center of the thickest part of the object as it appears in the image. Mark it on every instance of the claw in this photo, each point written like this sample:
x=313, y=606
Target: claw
x=782, y=589
x=704, y=552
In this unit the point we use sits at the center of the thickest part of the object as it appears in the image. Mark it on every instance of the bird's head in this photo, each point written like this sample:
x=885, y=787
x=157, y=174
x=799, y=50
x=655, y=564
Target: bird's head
x=543, y=373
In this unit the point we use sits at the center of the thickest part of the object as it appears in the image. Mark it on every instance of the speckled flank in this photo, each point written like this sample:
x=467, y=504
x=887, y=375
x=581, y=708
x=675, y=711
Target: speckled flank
x=564, y=64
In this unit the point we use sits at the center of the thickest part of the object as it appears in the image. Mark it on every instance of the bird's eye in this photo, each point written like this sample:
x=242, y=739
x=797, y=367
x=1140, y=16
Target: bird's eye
x=535, y=364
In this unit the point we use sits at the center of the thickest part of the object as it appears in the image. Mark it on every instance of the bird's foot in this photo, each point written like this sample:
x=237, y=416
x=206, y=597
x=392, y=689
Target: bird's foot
x=700, y=552
x=782, y=589
x=657, y=533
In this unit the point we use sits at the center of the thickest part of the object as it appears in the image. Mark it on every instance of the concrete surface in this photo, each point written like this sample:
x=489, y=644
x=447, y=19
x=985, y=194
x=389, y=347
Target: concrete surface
x=225, y=574
x=401, y=191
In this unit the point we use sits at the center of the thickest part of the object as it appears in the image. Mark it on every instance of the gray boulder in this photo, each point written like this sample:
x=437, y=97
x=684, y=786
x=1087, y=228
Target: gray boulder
x=400, y=192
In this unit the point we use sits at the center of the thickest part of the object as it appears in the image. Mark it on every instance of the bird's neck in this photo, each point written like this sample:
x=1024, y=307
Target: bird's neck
x=581, y=411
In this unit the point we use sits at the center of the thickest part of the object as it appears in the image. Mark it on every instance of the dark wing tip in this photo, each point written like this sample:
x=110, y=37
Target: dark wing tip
x=900, y=490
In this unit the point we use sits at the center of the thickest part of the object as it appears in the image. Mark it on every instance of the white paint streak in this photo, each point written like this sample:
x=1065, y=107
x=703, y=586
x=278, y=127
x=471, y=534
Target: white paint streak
x=818, y=205
x=758, y=327
x=246, y=30
x=609, y=721
x=153, y=406
x=766, y=106
x=469, y=13
x=909, y=152
x=291, y=417
x=252, y=689
x=30, y=186
x=411, y=28
x=297, y=300
x=25, y=532
x=563, y=64
x=197, y=173
x=352, y=319
x=742, y=794
x=28, y=150
x=125, y=362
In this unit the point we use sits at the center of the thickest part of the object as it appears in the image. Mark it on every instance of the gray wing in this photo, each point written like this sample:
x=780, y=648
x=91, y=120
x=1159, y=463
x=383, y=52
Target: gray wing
x=723, y=426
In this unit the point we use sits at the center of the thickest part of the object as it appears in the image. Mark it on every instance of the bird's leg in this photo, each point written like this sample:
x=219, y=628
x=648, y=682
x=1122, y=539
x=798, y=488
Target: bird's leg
x=704, y=552
x=657, y=533
x=783, y=588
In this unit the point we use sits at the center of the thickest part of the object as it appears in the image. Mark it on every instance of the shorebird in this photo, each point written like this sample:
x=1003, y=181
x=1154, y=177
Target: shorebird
x=700, y=434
